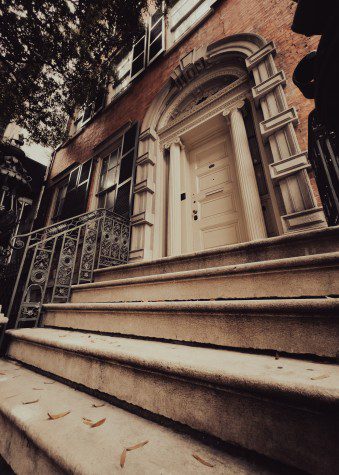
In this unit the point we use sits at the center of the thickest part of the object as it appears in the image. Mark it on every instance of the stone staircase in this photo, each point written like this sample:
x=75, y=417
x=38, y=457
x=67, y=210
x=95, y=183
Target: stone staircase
x=228, y=354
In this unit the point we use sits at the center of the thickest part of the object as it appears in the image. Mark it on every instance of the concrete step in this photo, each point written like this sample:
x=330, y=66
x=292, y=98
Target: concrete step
x=296, y=326
x=314, y=276
x=285, y=409
x=35, y=445
x=302, y=244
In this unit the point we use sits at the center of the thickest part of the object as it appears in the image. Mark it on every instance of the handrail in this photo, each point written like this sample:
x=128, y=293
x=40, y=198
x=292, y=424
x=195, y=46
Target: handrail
x=56, y=256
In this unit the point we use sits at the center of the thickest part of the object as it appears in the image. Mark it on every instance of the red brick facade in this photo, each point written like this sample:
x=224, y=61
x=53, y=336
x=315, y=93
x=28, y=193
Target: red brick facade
x=269, y=18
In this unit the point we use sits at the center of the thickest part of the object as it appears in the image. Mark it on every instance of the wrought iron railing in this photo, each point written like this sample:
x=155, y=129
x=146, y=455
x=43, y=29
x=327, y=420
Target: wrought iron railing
x=58, y=256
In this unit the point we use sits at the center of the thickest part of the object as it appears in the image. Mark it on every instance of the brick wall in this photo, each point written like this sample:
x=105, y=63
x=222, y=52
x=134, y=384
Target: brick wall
x=269, y=18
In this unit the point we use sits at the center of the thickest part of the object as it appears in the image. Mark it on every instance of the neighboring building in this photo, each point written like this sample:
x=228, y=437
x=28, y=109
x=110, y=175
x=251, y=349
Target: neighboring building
x=217, y=134
x=224, y=323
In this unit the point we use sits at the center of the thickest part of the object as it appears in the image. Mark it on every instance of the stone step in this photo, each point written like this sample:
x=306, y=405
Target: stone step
x=285, y=409
x=302, y=244
x=36, y=445
x=3, y=319
x=310, y=276
x=296, y=326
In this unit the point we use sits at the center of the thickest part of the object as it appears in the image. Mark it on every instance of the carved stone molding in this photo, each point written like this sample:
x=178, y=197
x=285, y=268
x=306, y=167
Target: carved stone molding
x=144, y=186
x=238, y=105
x=190, y=66
x=145, y=159
x=203, y=79
x=268, y=85
x=297, y=222
x=142, y=218
x=284, y=168
x=278, y=121
x=260, y=55
x=148, y=134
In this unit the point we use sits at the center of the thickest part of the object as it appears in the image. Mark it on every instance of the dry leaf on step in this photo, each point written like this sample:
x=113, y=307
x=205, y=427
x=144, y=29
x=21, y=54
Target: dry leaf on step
x=49, y=382
x=58, y=416
x=137, y=446
x=2, y=374
x=38, y=389
x=123, y=458
x=93, y=424
x=98, y=405
x=30, y=402
x=321, y=376
x=201, y=460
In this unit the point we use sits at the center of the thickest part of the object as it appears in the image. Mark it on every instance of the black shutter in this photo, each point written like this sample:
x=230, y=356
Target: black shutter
x=156, y=36
x=124, y=197
x=138, y=57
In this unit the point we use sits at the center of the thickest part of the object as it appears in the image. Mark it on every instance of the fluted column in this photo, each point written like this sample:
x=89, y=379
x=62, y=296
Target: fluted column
x=174, y=201
x=254, y=218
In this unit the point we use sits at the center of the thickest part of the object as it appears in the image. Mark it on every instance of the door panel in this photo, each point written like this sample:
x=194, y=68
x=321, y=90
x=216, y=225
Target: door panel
x=216, y=208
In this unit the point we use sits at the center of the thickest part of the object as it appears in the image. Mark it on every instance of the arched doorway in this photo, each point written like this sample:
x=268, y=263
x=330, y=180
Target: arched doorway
x=217, y=135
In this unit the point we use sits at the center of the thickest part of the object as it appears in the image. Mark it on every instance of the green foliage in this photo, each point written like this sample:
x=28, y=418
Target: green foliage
x=53, y=53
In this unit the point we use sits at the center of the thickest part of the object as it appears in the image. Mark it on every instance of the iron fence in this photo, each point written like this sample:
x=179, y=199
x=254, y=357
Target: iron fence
x=54, y=258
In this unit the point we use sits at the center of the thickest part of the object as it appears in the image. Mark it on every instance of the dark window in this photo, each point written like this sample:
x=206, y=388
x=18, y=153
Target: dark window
x=117, y=175
x=156, y=36
x=73, y=193
x=138, y=57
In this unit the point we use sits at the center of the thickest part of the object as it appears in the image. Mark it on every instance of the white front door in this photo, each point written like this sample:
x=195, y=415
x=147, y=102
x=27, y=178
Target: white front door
x=215, y=202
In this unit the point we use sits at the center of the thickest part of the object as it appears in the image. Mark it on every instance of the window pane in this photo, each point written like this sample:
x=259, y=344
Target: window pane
x=139, y=47
x=110, y=178
x=122, y=202
x=113, y=158
x=137, y=65
x=110, y=199
x=126, y=167
x=156, y=31
x=156, y=16
x=85, y=171
x=129, y=139
x=155, y=48
x=73, y=179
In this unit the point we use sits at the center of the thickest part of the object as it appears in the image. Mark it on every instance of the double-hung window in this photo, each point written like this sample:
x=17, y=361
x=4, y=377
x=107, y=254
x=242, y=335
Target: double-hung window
x=117, y=174
x=72, y=193
x=150, y=45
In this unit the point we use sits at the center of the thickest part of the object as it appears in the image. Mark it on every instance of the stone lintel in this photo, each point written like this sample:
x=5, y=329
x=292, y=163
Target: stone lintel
x=259, y=56
x=268, y=85
x=277, y=122
x=288, y=166
x=304, y=220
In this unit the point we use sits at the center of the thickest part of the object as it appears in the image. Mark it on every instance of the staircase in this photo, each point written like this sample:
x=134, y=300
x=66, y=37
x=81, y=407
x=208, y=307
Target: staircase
x=224, y=361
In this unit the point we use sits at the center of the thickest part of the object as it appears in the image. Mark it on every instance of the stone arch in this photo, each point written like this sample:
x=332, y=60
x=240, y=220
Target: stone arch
x=288, y=164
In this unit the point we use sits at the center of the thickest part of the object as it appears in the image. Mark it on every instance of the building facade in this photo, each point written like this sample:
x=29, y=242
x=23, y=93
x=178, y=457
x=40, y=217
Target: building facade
x=203, y=140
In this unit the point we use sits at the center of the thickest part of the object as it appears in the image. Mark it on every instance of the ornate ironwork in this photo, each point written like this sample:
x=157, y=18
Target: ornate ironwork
x=62, y=254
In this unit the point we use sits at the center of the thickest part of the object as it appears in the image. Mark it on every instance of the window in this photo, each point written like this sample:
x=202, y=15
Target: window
x=89, y=110
x=150, y=45
x=117, y=175
x=185, y=13
x=72, y=193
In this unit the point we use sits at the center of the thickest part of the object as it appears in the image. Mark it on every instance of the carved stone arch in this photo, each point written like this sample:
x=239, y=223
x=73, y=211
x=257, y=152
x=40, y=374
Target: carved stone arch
x=288, y=164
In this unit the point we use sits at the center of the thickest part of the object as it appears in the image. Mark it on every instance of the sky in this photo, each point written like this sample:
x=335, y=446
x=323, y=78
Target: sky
x=34, y=151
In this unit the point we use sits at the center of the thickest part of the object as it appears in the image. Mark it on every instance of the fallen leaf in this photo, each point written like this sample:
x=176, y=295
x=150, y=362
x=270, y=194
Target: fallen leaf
x=62, y=336
x=201, y=460
x=280, y=367
x=30, y=402
x=57, y=416
x=123, y=458
x=13, y=395
x=2, y=374
x=137, y=446
x=49, y=382
x=38, y=389
x=321, y=376
x=98, y=423
x=98, y=405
